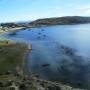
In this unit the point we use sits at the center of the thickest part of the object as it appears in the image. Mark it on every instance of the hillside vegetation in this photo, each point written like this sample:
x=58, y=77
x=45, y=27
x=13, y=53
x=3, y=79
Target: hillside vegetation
x=49, y=21
x=61, y=21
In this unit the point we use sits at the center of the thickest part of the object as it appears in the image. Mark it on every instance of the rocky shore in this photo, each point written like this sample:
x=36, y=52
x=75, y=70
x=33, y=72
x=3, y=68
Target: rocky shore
x=31, y=82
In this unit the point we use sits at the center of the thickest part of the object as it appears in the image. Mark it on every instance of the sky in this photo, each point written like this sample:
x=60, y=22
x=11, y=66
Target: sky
x=25, y=10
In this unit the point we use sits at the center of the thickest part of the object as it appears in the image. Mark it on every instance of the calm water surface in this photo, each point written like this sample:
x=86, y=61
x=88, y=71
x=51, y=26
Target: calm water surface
x=47, y=58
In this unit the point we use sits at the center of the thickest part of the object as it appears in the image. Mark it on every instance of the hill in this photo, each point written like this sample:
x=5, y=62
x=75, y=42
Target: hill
x=61, y=21
x=49, y=21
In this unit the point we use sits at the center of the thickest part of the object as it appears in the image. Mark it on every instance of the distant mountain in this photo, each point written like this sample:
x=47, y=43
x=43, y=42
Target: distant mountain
x=61, y=21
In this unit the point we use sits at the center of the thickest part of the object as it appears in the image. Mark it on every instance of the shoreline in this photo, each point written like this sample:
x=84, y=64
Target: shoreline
x=10, y=29
x=25, y=58
x=36, y=81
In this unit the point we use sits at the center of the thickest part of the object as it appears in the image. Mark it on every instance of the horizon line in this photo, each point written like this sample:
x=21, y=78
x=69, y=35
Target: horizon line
x=18, y=21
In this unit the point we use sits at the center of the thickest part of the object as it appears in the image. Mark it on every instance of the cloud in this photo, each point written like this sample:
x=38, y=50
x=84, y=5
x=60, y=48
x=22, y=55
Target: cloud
x=88, y=11
x=85, y=9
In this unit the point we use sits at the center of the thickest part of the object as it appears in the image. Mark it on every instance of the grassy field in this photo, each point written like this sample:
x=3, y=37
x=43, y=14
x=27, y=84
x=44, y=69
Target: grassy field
x=11, y=55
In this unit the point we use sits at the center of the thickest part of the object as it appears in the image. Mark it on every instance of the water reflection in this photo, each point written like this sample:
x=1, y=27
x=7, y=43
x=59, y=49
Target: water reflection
x=74, y=69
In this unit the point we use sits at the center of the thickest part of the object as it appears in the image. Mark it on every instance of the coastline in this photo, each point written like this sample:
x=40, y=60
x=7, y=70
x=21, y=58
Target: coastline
x=10, y=29
x=29, y=48
x=35, y=81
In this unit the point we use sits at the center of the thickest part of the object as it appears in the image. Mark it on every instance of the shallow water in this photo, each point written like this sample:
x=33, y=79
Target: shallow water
x=49, y=60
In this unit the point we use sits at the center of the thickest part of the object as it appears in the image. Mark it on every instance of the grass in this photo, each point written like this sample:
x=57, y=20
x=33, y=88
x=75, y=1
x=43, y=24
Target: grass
x=11, y=55
x=4, y=43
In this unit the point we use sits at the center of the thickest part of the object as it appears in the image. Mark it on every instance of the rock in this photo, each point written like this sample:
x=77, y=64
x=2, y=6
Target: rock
x=9, y=83
x=12, y=88
x=45, y=65
x=1, y=84
x=22, y=87
x=8, y=72
x=53, y=88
